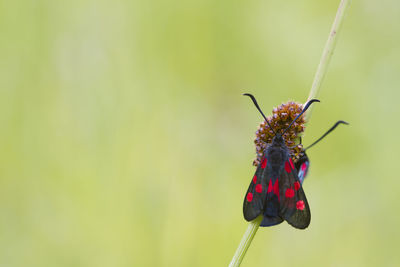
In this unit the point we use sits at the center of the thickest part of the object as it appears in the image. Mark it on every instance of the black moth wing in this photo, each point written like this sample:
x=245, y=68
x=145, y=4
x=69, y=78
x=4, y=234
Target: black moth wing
x=293, y=202
x=254, y=200
x=302, y=165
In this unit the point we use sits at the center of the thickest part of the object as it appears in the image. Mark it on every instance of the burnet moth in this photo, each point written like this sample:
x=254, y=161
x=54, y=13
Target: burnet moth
x=302, y=164
x=276, y=188
x=275, y=191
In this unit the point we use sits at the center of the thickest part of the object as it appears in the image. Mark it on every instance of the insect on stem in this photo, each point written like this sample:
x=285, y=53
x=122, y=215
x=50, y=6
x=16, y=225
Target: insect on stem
x=321, y=70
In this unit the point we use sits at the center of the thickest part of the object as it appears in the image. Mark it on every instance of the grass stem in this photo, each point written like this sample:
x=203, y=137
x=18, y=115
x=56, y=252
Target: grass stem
x=327, y=54
x=246, y=241
x=315, y=88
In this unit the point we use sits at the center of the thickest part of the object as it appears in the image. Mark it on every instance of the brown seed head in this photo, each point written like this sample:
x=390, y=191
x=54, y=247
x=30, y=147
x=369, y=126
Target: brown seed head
x=281, y=117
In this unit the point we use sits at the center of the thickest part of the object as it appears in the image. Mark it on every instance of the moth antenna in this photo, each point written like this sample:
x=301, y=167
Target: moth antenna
x=325, y=134
x=256, y=104
x=301, y=113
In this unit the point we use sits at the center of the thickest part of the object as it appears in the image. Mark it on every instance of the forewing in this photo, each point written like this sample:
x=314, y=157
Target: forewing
x=255, y=197
x=293, y=202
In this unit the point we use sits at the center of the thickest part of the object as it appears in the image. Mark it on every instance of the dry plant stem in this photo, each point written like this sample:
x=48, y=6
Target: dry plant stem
x=327, y=54
x=319, y=75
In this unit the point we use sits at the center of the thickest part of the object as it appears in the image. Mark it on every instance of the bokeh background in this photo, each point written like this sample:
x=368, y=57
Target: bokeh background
x=125, y=140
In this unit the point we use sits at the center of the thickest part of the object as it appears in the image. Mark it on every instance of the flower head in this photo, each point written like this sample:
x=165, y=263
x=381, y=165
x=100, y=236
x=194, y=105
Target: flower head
x=281, y=117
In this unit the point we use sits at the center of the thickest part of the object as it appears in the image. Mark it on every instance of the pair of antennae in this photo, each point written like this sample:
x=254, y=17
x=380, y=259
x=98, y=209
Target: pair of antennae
x=284, y=131
x=304, y=109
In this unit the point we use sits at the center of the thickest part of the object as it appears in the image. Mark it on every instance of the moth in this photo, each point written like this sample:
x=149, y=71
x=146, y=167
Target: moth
x=275, y=191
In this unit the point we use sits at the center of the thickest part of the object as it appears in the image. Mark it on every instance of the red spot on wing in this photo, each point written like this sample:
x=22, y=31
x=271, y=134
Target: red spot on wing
x=269, y=187
x=287, y=167
x=276, y=188
x=291, y=163
x=259, y=188
x=300, y=205
x=264, y=163
x=289, y=193
x=303, y=166
x=249, y=197
x=296, y=185
x=255, y=179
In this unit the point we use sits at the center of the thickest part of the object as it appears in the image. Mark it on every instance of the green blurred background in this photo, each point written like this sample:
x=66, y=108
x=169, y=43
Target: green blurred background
x=125, y=140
